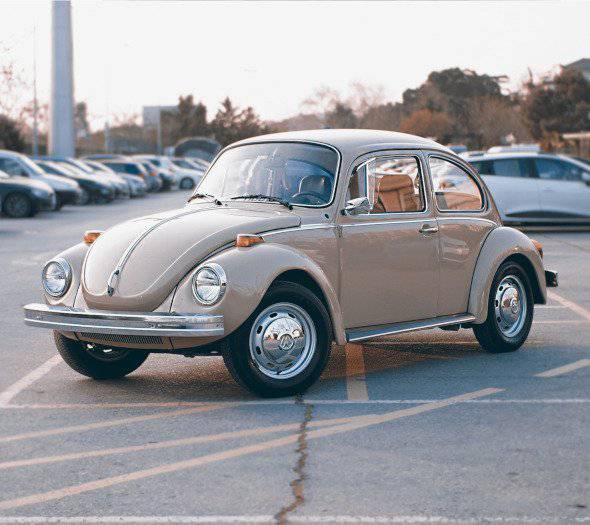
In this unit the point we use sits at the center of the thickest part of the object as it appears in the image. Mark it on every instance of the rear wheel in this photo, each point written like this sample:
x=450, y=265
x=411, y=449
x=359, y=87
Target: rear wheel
x=510, y=311
x=18, y=205
x=284, y=345
x=98, y=361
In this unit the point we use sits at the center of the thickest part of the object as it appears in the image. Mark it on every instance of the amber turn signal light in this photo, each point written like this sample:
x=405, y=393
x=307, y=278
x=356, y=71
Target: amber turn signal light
x=91, y=235
x=538, y=247
x=244, y=240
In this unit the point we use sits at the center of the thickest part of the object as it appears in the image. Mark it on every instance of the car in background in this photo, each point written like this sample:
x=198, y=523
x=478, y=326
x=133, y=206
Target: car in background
x=131, y=168
x=17, y=165
x=91, y=189
x=152, y=172
x=118, y=184
x=24, y=197
x=166, y=170
x=537, y=188
x=190, y=175
x=137, y=187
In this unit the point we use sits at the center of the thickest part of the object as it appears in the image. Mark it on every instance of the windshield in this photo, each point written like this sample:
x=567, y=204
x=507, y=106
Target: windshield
x=300, y=174
x=32, y=165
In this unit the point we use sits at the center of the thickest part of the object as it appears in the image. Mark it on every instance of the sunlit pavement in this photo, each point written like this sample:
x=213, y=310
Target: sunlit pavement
x=419, y=428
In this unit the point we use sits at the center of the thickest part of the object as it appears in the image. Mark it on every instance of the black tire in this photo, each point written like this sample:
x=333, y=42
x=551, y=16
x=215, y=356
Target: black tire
x=18, y=206
x=58, y=203
x=84, y=198
x=89, y=362
x=237, y=355
x=490, y=335
x=187, y=184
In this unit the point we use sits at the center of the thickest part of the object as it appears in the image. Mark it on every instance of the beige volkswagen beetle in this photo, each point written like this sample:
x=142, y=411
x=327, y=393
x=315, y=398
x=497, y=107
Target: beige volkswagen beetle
x=293, y=241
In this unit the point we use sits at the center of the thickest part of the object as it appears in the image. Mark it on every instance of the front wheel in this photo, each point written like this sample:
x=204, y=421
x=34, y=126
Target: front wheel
x=284, y=345
x=18, y=206
x=510, y=311
x=98, y=361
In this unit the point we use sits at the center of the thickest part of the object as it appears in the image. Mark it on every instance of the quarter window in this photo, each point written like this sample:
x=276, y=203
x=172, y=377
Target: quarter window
x=392, y=185
x=454, y=188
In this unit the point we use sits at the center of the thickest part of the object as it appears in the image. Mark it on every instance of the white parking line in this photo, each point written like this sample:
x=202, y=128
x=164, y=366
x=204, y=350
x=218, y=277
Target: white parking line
x=560, y=370
x=356, y=385
x=13, y=390
x=574, y=307
x=294, y=519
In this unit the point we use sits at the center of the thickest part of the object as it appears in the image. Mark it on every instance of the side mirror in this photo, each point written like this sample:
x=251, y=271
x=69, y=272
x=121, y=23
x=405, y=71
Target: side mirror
x=358, y=206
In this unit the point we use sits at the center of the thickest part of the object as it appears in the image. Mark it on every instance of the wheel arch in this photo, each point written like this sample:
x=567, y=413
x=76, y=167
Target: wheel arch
x=501, y=245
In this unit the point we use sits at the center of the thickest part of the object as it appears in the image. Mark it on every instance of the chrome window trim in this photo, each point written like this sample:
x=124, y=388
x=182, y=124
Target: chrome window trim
x=484, y=196
x=292, y=141
x=421, y=168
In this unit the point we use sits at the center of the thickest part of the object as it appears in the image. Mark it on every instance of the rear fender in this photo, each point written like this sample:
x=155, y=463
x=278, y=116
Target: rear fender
x=501, y=244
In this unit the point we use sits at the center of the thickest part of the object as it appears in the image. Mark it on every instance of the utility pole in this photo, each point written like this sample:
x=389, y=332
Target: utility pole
x=35, y=104
x=159, y=132
x=61, y=137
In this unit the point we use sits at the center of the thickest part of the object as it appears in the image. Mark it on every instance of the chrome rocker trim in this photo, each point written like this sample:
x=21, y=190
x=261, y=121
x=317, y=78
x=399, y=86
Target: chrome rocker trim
x=65, y=319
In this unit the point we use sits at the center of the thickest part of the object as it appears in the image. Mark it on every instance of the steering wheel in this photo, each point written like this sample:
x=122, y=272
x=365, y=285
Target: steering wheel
x=309, y=196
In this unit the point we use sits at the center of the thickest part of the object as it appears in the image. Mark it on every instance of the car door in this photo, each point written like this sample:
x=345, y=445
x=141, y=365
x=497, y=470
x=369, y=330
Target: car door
x=465, y=220
x=389, y=253
x=565, y=196
x=513, y=186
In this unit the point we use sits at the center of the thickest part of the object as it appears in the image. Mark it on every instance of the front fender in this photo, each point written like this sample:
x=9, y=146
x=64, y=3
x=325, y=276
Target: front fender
x=500, y=244
x=250, y=272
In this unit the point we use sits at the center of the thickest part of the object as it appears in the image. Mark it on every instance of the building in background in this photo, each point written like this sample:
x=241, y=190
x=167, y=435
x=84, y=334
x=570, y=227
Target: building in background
x=582, y=65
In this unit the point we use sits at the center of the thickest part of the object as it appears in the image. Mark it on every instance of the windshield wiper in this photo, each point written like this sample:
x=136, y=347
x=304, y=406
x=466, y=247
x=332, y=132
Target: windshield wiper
x=205, y=196
x=261, y=196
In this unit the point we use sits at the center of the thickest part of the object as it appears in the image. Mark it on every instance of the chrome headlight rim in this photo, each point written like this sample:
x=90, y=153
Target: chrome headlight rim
x=222, y=278
x=65, y=265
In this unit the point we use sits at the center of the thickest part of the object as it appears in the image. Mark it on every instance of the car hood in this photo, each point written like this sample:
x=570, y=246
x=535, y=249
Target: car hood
x=153, y=253
x=60, y=183
x=28, y=183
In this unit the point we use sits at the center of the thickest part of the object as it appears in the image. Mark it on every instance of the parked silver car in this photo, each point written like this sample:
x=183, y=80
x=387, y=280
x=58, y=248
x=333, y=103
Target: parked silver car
x=537, y=188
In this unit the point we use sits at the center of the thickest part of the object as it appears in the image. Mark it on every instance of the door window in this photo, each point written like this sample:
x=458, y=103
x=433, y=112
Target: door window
x=392, y=185
x=511, y=168
x=454, y=188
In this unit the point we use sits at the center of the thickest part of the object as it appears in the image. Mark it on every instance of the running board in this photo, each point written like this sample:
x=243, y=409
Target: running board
x=359, y=334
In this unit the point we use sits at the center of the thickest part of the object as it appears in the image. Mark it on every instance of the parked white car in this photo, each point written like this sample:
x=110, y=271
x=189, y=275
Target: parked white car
x=537, y=188
x=190, y=173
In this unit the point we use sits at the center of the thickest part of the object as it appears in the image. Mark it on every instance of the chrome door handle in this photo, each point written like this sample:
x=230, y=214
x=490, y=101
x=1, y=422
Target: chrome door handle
x=427, y=228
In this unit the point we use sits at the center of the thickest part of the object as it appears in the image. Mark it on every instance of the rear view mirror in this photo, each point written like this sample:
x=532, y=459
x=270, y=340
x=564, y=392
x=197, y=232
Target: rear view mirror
x=358, y=206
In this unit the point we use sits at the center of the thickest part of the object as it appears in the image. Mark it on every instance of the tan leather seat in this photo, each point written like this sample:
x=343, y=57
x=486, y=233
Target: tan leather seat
x=395, y=193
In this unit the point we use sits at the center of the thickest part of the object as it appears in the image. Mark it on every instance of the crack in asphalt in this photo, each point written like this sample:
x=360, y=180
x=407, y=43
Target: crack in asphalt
x=297, y=485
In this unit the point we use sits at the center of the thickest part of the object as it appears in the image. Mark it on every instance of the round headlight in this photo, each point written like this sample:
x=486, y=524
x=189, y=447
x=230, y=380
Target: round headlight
x=56, y=277
x=209, y=284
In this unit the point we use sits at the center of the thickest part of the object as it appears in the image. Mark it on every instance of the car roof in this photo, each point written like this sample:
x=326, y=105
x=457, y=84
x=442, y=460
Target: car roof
x=351, y=139
x=512, y=155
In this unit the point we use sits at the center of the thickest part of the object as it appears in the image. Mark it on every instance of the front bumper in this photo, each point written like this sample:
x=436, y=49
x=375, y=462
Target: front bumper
x=66, y=319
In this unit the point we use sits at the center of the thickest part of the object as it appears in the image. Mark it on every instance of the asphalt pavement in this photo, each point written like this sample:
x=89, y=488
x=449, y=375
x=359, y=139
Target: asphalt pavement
x=420, y=428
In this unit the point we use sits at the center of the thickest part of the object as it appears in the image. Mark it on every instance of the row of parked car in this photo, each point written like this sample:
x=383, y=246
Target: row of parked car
x=29, y=185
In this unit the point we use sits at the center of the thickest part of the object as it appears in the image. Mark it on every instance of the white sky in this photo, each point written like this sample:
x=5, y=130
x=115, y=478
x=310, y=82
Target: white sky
x=272, y=55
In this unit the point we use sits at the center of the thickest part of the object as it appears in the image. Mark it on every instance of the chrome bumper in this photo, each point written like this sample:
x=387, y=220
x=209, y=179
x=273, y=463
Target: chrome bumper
x=104, y=322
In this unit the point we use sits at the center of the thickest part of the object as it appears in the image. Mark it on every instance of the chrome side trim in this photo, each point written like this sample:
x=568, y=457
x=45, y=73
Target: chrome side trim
x=359, y=334
x=324, y=226
x=105, y=322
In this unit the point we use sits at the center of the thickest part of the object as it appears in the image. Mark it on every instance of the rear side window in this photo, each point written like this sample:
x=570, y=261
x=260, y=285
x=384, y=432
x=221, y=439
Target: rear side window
x=483, y=167
x=557, y=170
x=454, y=188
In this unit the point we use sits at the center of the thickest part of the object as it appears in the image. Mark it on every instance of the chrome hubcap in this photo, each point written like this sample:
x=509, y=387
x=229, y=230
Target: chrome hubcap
x=105, y=353
x=510, y=305
x=282, y=340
